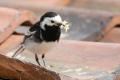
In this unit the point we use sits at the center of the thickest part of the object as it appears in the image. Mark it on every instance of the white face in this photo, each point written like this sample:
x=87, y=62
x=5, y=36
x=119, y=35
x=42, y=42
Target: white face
x=51, y=21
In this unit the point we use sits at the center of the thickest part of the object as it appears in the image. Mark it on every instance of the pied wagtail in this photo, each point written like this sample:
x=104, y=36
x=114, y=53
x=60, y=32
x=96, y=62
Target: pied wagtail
x=43, y=35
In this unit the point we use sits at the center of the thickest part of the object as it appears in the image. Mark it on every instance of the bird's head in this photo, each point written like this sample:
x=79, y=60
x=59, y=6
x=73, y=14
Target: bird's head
x=53, y=19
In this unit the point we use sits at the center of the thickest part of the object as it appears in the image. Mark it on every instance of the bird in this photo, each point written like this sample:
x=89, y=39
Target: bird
x=43, y=35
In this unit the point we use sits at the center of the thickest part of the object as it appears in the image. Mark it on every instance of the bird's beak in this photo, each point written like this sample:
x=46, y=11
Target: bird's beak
x=58, y=23
x=63, y=25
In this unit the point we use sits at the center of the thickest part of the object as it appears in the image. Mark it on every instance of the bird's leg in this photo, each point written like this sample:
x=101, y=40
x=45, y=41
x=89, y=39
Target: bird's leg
x=37, y=59
x=21, y=49
x=43, y=56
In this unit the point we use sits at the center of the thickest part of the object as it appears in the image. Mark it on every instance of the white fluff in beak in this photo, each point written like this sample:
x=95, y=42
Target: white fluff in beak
x=65, y=26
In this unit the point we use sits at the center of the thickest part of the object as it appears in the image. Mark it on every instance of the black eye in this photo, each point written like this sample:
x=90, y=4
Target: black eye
x=52, y=21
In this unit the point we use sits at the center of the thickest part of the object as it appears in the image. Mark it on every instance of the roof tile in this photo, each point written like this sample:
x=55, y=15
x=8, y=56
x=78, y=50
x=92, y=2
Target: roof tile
x=9, y=44
x=10, y=19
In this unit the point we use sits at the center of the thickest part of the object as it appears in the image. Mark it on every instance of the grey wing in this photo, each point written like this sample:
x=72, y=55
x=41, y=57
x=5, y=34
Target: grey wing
x=31, y=31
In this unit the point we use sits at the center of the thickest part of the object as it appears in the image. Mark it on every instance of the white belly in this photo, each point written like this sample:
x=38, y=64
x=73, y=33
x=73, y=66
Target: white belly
x=39, y=48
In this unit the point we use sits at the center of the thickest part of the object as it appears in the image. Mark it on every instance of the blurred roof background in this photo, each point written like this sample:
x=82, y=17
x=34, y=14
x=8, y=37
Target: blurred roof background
x=91, y=20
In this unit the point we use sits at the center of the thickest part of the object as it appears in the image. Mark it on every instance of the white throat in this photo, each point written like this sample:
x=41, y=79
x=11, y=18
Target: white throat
x=47, y=21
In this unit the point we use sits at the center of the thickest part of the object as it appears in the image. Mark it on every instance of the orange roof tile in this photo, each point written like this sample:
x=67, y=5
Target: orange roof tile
x=10, y=19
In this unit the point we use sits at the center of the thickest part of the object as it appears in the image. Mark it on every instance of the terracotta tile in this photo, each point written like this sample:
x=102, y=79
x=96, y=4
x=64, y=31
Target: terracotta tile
x=37, y=2
x=112, y=36
x=99, y=58
x=115, y=20
x=81, y=60
x=100, y=55
x=11, y=43
x=14, y=69
x=94, y=4
x=63, y=77
x=117, y=77
x=10, y=19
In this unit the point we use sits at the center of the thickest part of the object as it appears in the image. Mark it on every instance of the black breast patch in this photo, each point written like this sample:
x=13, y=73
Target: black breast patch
x=51, y=33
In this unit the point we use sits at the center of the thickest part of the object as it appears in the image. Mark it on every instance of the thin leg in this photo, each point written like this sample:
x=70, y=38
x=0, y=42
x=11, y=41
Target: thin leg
x=43, y=56
x=37, y=59
x=21, y=49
